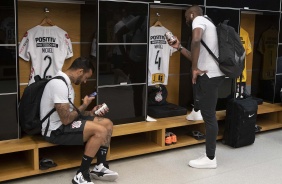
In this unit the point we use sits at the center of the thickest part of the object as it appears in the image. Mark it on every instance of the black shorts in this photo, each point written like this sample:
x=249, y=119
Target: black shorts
x=71, y=134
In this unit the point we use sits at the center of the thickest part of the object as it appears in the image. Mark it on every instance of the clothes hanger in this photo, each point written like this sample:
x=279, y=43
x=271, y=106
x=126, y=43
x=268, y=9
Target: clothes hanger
x=158, y=23
x=46, y=20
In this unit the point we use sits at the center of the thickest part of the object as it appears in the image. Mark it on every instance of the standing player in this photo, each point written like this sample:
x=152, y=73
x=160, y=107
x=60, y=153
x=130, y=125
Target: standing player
x=47, y=47
x=206, y=78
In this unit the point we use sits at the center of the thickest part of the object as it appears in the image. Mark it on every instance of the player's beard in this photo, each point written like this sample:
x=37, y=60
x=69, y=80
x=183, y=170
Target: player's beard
x=78, y=80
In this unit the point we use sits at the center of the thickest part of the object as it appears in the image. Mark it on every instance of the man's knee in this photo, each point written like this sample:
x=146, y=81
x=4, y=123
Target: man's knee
x=108, y=123
x=100, y=132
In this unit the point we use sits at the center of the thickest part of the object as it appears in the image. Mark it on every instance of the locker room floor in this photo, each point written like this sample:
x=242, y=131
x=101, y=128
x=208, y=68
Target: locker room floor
x=259, y=163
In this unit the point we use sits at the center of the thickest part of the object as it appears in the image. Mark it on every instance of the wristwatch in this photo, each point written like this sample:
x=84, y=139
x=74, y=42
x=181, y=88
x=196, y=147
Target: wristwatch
x=180, y=48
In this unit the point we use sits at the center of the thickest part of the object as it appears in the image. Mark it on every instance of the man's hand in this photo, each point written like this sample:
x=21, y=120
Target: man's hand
x=102, y=113
x=176, y=45
x=87, y=100
x=195, y=73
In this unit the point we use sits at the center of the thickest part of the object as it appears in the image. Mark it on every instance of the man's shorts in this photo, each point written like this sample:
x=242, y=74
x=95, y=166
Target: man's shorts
x=71, y=134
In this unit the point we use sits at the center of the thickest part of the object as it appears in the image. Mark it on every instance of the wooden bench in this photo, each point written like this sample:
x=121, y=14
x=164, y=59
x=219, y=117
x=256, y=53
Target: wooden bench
x=20, y=158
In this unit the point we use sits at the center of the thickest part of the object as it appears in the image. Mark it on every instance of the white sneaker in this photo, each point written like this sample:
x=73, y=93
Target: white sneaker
x=100, y=172
x=193, y=116
x=79, y=179
x=203, y=163
x=149, y=118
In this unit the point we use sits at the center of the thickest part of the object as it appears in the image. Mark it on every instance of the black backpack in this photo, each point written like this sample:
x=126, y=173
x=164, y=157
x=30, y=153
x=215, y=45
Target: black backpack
x=232, y=54
x=29, y=107
x=157, y=95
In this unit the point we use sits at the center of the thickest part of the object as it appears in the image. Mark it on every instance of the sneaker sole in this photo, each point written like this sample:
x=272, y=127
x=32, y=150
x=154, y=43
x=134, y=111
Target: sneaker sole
x=204, y=167
x=189, y=119
x=106, y=177
x=73, y=182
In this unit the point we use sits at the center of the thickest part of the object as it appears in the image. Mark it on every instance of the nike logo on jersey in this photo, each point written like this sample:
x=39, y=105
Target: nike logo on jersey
x=251, y=115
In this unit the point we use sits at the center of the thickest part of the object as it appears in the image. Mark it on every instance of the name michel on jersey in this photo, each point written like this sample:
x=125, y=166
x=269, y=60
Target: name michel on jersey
x=158, y=41
x=48, y=42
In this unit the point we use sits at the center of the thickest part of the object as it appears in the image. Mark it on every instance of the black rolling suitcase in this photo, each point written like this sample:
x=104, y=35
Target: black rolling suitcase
x=240, y=121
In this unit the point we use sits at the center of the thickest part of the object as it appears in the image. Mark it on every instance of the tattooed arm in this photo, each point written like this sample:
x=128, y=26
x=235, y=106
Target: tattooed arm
x=66, y=116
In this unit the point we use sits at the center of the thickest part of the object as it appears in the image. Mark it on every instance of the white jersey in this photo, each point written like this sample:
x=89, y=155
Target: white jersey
x=159, y=53
x=47, y=47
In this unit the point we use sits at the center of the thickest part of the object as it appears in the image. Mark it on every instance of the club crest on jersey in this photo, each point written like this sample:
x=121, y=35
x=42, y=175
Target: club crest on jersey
x=67, y=36
x=159, y=96
x=76, y=124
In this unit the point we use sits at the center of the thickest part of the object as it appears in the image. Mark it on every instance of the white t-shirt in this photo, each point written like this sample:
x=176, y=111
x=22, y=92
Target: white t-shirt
x=206, y=61
x=47, y=47
x=159, y=53
x=55, y=91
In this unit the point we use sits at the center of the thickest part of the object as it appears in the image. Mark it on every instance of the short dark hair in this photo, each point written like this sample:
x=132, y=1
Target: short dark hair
x=82, y=63
x=196, y=9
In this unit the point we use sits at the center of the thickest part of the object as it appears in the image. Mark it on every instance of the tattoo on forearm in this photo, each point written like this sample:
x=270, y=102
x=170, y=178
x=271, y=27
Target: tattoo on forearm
x=64, y=113
x=86, y=113
x=82, y=108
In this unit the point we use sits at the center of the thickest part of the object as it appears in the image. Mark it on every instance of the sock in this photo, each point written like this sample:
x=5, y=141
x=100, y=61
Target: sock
x=211, y=157
x=102, y=155
x=85, y=164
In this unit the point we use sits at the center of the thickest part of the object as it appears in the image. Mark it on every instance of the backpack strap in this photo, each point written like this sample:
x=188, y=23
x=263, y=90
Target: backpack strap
x=205, y=45
x=209, y=50
x=54, y=109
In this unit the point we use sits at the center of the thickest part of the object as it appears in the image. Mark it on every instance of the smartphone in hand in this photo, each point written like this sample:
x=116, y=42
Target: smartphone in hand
x=93, y=94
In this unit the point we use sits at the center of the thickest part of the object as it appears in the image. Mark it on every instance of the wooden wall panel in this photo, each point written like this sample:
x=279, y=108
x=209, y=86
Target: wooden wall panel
x=171, y=19
x=66, y=16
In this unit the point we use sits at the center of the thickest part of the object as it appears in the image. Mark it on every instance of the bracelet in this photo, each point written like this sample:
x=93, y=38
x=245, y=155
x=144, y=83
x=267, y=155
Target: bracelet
x=180, y=48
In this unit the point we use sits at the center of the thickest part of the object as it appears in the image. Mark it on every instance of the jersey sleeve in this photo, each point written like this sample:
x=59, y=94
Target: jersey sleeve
x=23, y=48
x=68, y=46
